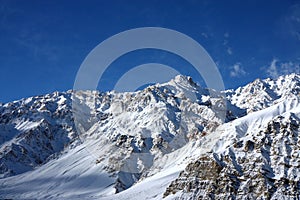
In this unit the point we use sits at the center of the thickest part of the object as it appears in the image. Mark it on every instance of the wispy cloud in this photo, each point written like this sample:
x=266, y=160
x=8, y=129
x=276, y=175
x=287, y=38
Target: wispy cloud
x=237, y=70
x=37, y=45
x=226, y=43
x=229, y=51
x=277, y=68
x=226, y=35
x=6, y=12
x=272, y=69
x=295, y=21
x=291, y=22
x=204, y=35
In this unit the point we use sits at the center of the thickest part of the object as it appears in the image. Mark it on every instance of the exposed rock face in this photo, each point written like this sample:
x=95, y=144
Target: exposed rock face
x=32, y=130
x=264, y=165
x=199, y=177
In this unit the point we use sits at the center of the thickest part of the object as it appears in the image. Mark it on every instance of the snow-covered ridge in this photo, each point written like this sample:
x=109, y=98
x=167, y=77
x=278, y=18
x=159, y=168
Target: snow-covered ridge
x=87, y=144
x=261, y=94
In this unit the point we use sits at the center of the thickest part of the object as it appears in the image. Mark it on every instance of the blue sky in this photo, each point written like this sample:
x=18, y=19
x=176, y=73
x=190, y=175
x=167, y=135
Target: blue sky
x=43, y=43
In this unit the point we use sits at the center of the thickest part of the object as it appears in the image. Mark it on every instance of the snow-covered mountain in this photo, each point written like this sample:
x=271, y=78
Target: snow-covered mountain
x=261, y=94
x=175, y=140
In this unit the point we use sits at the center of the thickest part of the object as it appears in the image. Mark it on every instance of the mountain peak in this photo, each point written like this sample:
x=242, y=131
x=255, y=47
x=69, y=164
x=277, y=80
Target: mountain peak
x=182, y=81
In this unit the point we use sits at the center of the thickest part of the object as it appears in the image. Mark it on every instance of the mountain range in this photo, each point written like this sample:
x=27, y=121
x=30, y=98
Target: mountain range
x=175, y=140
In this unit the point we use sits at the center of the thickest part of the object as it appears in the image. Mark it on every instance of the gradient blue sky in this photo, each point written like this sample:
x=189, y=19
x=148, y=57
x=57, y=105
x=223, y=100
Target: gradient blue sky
x=43, y=43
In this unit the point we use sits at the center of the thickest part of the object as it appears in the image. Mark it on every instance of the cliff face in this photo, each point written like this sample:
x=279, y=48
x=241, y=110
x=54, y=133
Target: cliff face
x=264, y=164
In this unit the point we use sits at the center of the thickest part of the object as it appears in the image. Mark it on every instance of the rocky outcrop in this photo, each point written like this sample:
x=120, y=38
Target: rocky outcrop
x=263, y=165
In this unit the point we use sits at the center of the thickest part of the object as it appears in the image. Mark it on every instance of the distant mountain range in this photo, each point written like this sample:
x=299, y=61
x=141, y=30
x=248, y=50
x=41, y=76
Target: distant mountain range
x=175, y=140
